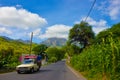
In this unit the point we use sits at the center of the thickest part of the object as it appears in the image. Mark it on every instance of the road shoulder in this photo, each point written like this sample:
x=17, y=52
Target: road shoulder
x=76, y=73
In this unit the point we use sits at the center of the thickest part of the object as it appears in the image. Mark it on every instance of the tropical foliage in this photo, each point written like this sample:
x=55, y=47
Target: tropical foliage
x=101, y=60
x=10, y=51
x=81, y=34
x=55, y=54
x=38, y=49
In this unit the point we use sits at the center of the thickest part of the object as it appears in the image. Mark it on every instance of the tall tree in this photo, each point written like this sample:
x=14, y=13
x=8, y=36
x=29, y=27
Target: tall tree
x=81, y=35
x=39, y=48
x=55, y=54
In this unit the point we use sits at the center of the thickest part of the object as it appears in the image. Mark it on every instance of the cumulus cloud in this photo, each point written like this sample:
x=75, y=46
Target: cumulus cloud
x=111, y=8
x=20, y=18
x=97, y=26
x=37, y=32
x=4, y=30
x=114, y=9
x=60, y=31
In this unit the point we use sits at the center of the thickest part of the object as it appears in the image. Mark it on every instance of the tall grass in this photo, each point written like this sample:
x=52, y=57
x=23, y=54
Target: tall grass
x=101, y=60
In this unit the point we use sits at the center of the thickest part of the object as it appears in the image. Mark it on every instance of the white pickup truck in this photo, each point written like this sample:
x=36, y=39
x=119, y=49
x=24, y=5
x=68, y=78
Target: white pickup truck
x=28, y=65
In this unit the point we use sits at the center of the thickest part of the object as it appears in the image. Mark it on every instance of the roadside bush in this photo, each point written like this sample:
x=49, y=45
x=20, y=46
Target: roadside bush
x=102, y=59
x=52, y=59
x=55, y=54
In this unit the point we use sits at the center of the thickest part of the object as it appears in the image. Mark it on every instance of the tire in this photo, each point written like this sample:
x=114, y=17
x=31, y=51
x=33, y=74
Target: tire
x=18, y=72
x=32, y=70
x=38, y=69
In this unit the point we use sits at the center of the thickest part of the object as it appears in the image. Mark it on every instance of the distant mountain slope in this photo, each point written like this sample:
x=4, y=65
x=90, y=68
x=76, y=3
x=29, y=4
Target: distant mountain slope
x=23, y=41
x=6, y=38
x=14, y=40
x=54, y=41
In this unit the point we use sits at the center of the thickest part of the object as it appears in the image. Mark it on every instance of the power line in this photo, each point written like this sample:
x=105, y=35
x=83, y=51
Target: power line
x=90, y=10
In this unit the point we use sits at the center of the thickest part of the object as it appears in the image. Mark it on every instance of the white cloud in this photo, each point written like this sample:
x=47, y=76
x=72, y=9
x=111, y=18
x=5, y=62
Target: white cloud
x=19, y=6
x=114, y=9
x=111, y=8
x=97, y=26
x=4, y=30
x=20, y=18
x=60, y=31
x=37, y=32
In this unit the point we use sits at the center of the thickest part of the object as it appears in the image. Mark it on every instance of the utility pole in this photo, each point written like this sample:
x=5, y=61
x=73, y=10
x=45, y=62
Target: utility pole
x=31, y=43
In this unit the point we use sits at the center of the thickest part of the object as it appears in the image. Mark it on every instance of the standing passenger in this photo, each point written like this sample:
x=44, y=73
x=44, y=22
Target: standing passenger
x=39, y=60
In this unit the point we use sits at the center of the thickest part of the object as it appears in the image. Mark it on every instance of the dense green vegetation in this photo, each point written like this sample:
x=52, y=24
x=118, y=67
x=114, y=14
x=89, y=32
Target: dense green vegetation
x=51, y=54
x=55, y=54
x=39, y=49
x=10, y=51
x=101, y=59
x=81, y=35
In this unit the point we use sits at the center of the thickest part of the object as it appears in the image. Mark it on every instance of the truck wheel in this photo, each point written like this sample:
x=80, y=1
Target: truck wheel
x=18, y=72
x=32, y=70
x=38, y=69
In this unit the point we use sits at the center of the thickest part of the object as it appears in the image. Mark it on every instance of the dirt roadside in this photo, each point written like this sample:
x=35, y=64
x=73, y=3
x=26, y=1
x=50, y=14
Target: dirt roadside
x=76, y=73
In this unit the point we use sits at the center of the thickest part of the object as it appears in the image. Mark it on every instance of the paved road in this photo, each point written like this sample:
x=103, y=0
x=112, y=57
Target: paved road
x=56, y=71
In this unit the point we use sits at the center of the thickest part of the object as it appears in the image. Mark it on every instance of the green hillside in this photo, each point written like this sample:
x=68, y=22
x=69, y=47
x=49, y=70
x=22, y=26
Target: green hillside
x=10, y=51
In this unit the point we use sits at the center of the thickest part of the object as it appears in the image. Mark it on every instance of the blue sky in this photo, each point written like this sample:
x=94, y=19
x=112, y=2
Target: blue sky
x=54, y=18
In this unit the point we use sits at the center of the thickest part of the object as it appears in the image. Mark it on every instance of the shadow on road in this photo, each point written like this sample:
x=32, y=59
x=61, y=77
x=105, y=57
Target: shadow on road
x=45, y=70
x=40, y=71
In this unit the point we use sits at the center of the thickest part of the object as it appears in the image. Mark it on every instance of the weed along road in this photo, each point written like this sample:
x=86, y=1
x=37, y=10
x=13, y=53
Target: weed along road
x=55, y=71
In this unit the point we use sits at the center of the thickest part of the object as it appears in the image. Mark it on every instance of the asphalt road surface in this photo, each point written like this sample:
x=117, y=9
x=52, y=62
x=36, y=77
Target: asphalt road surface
x=55, y=71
